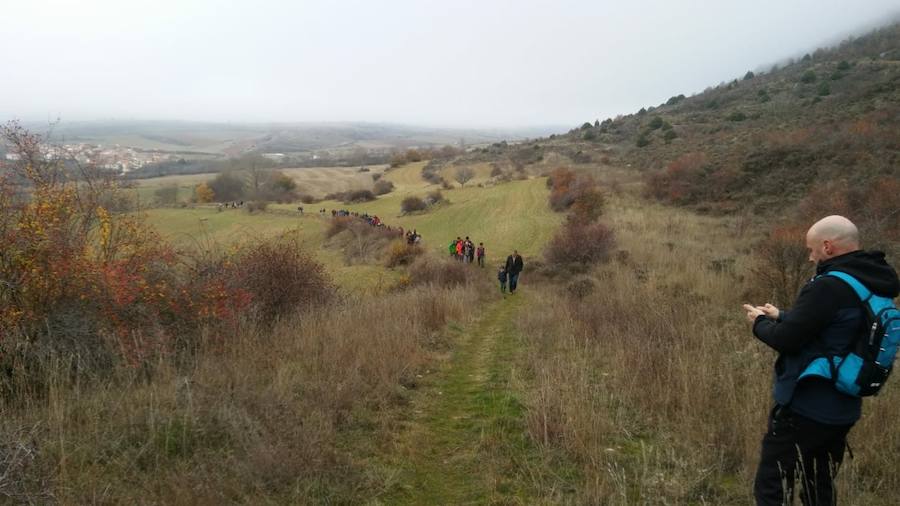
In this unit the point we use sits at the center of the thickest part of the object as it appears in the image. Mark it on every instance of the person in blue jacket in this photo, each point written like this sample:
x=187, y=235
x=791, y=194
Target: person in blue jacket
x=808, y=425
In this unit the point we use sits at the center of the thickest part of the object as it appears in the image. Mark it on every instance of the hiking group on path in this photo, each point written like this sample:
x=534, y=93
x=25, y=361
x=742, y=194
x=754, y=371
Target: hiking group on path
x=824, y=367
x=465, y=251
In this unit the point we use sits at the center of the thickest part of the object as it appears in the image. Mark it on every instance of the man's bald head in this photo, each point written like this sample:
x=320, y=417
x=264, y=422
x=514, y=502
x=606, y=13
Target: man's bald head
x=830, y=237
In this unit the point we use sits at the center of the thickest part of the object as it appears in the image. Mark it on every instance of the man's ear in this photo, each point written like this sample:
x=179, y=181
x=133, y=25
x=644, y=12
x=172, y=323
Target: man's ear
x=829, y=247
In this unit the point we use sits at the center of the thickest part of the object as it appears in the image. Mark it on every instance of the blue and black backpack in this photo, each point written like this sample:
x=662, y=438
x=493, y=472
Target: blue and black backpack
x=866, y=365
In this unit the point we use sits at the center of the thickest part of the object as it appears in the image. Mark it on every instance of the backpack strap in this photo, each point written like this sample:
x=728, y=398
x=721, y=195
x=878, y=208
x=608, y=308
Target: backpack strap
x=828, y=366
x=862, y=292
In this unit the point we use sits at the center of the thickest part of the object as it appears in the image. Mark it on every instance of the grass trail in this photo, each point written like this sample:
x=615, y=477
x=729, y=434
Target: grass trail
x=466, y=441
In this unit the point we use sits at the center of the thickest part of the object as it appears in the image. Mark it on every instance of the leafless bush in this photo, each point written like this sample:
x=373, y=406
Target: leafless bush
x=256, y=207
x=434, y=197
x=412, y=204
x=383, y=187
x=359, y=241
x=280, y=278
x=781, y=265
x=402, y=253
x=439, y=272
x=580, y=243
x=338, y=225
x=356, y=196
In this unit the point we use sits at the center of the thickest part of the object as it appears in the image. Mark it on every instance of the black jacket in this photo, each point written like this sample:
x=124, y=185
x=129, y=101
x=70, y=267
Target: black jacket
x=514, y=264
x=825, y=319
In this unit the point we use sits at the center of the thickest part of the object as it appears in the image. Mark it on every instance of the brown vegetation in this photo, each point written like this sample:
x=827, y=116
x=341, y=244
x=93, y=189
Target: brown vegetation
x=645, y=373
x=412, y=204
x=401, y=252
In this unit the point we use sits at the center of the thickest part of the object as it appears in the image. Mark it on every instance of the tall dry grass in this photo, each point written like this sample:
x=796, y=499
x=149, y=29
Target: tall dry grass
x=651, y=382
x=279, y=415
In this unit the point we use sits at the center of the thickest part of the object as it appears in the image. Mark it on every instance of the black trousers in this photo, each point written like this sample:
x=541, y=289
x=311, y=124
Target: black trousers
x=797, y=447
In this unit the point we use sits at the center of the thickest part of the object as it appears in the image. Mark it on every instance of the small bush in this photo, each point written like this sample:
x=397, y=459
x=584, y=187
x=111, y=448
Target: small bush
x=656, y=122
x=338, y=225
x=781, y=265
x=843, y=65
x=737, y=116
x=824, y=89
x=383, y=187
x=280, y=278
x=402, y=253
x=256, y=207
x=204, y=194
x=440, y=272
x=642, y=141
x=357, y=196
x=434, y=197
x=412, y=204
x=579, y=195
x=308, y=199
x=580, y=243
x=808, y=77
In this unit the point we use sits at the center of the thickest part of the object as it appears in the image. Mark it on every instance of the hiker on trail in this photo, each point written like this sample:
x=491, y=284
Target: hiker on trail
x=467, y=251
x=451, y=248
x=514, y=266
x=479, y=253
x=808, y=426
x=501, y=276
x=300, y=208
x=459, y=249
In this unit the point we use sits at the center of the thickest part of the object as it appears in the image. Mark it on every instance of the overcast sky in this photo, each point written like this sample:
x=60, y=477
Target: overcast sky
x=441, y=63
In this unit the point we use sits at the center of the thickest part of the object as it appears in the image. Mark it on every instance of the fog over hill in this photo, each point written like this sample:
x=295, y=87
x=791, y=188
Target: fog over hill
x=461, y=64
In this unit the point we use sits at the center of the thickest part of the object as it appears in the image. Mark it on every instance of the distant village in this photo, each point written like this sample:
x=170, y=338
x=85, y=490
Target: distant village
x=119, y=158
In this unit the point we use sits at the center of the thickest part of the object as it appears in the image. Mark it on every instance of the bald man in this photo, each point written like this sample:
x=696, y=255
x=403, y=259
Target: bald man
x=808, y=426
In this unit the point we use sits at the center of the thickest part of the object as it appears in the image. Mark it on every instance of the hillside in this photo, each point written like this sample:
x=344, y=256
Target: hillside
x=758, y=144
x=765, y=139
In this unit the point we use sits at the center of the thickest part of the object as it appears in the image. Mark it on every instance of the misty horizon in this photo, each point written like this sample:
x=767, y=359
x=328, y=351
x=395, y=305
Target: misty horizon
x=496, y=67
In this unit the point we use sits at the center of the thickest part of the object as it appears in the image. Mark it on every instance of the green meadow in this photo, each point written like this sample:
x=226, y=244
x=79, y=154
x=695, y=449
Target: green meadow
x=508, y=216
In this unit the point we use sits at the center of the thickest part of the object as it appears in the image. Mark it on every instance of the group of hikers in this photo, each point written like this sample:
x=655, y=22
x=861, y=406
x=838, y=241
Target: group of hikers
x=410, y=236
x=815, y=405
x=230, y=205
x=465, y=251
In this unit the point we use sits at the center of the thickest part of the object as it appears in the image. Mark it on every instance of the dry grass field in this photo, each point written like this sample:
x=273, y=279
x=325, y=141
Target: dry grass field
x=632, y=381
